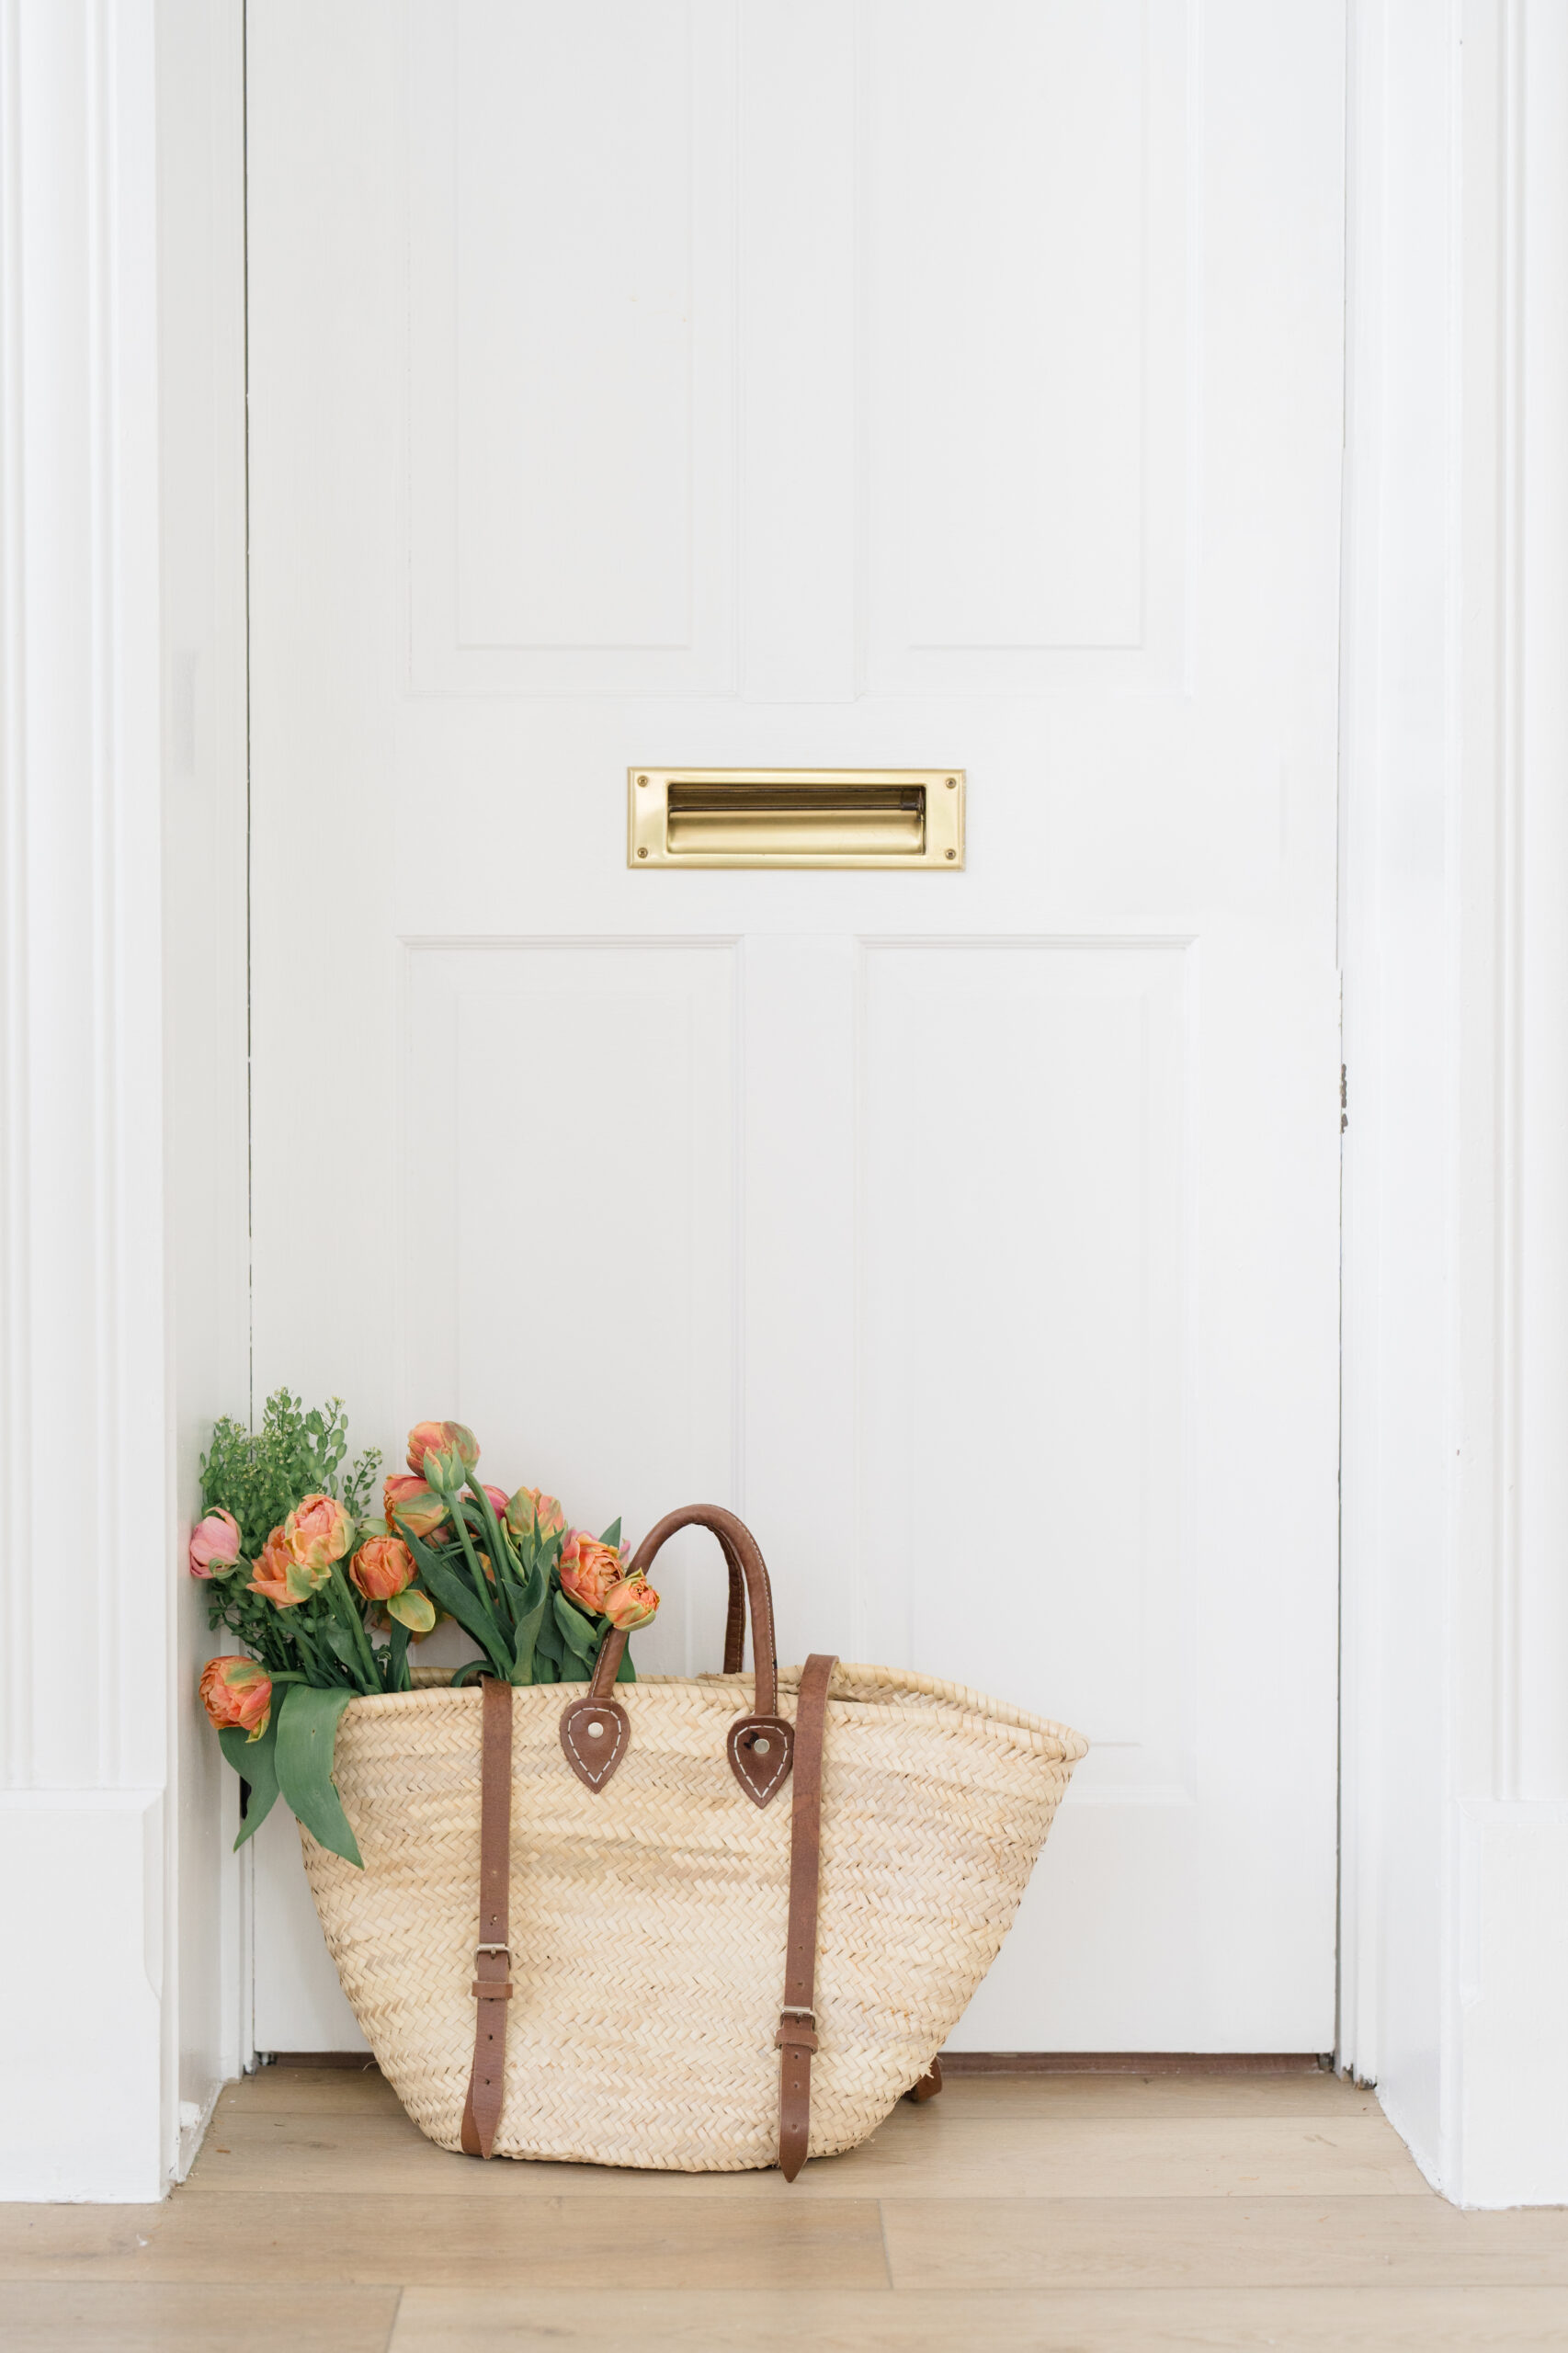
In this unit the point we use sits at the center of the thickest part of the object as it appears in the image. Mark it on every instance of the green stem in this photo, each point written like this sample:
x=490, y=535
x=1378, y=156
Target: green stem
x=343, y=1601
x=480, y=1582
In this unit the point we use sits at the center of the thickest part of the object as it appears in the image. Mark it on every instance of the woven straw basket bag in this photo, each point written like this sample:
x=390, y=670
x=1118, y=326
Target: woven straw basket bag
x=687, y=1927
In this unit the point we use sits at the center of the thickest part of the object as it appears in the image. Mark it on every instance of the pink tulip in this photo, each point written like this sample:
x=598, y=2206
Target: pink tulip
x=629, y=1604
x=409, y=1503
x=237, y=1691
x=589, y=1570
x=497, y=1500
x=382, y=1567
x=532, y=1513
x=215, y=1544
x=317, y=1532
x=443, y=1453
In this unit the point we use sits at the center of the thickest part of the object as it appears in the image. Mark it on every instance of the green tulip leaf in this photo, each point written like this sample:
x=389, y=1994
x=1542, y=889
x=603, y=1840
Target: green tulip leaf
x=452, y=1593
x=580, y=1634
x=255, y=1762
x=612, y=1536
x=470, y=1666
x=414, y=1609
x=306, y=1733
x=528, y=1624
x=626, y=1672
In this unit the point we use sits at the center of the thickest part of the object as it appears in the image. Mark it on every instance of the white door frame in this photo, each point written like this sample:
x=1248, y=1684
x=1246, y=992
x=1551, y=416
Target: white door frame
x=1454, y=739
x=1454, y=1891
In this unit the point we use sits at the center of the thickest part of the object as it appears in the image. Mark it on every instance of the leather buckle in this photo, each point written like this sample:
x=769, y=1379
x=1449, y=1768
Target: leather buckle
x=492, y=1989
x=797, y=2029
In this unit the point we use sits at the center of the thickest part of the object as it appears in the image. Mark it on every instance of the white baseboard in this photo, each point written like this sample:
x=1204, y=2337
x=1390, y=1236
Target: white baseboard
x=81, y=1996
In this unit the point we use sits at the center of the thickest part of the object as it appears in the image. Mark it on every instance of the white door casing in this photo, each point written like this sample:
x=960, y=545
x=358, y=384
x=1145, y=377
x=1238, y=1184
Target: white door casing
x=830, y=385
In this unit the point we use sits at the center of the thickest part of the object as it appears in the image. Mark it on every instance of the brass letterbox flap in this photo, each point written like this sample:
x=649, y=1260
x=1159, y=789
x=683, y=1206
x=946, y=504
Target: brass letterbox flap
x=804, y=818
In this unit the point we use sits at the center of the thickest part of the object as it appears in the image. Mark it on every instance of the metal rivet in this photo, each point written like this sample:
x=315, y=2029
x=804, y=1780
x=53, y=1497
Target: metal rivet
x=760, y=1746
x=595, y=1731
x=952, y=853
x=643, y=853
x=952, y=784
x=642, y=779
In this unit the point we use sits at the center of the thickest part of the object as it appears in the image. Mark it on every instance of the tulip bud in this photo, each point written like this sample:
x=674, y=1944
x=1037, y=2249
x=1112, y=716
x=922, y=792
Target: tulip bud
x=411, y=1505
x=533, y=1513
x=237, y=1691
x=629, y=1604
x=442, y=1452
x=215, y=1544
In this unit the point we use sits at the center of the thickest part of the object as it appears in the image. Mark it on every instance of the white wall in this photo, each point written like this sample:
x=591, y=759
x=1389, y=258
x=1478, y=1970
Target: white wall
x=1455, y=1898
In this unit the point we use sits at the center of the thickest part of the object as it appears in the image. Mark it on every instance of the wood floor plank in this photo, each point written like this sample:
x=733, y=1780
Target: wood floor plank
x=1036, y=2244
x=345, y=2091
x=917, y=2152
x=594, y=2239
x=109, y=2316
x=1526, y=2320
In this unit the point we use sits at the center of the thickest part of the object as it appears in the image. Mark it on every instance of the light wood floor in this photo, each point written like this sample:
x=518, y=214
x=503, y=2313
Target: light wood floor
x=1100, y=2214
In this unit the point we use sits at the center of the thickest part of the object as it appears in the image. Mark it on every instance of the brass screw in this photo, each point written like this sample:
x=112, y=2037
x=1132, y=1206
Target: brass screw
x=642, y=779
x=952, y=853
x=952, y=784
x=643, y=853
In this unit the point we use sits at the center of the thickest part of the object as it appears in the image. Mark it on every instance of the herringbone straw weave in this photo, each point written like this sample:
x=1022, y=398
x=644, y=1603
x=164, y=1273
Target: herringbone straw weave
x=648, y=1919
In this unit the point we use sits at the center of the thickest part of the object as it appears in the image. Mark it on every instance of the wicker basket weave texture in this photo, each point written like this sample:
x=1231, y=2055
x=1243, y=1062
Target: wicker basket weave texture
x=648, y=1919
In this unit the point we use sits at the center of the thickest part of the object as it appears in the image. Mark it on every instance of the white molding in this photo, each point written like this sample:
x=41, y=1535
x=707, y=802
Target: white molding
x=84, y=1416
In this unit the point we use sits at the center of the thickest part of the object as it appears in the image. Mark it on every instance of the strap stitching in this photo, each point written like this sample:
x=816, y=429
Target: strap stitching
x=616, y=1746
x=787, y=1747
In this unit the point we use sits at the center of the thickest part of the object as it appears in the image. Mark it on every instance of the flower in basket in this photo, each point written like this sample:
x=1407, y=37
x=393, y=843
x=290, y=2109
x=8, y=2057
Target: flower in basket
x=630, y=1604
x=442, y=1452
x=215, y=1544
x=317, y=1532
x=409, y=1503
x=383, y=1571
x=588, y=1569
x=280, y=1578
x=531, y=1512
x=237, y=1691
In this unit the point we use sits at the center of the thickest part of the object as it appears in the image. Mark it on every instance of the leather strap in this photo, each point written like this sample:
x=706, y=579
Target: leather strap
x=491, y=1978
x=739, y=1546
x=796, y=2036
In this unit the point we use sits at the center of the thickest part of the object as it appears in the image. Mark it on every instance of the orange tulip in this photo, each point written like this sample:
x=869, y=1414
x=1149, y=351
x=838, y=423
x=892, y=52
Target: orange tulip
x=589, y=1570
x=237, y=1691
x=317, y=1532
x=454, y=1447
x=629, y=1604
x=382, y=1567
x=533, y=1513
x=278, y=1577
x=409, y=1503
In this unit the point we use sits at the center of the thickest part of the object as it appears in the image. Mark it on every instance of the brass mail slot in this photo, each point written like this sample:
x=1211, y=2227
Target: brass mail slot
x=888, y=817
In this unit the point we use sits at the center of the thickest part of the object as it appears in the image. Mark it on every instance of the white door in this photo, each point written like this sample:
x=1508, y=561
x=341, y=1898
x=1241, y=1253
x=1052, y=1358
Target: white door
x=809, y=384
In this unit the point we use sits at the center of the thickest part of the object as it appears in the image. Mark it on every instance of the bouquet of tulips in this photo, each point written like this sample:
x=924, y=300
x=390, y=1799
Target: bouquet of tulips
x=333, y=1597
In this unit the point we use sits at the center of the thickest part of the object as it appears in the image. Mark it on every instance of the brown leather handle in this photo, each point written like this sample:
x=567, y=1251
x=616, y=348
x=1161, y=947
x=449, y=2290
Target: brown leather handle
x=744, y=1563
x=596, y=1729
